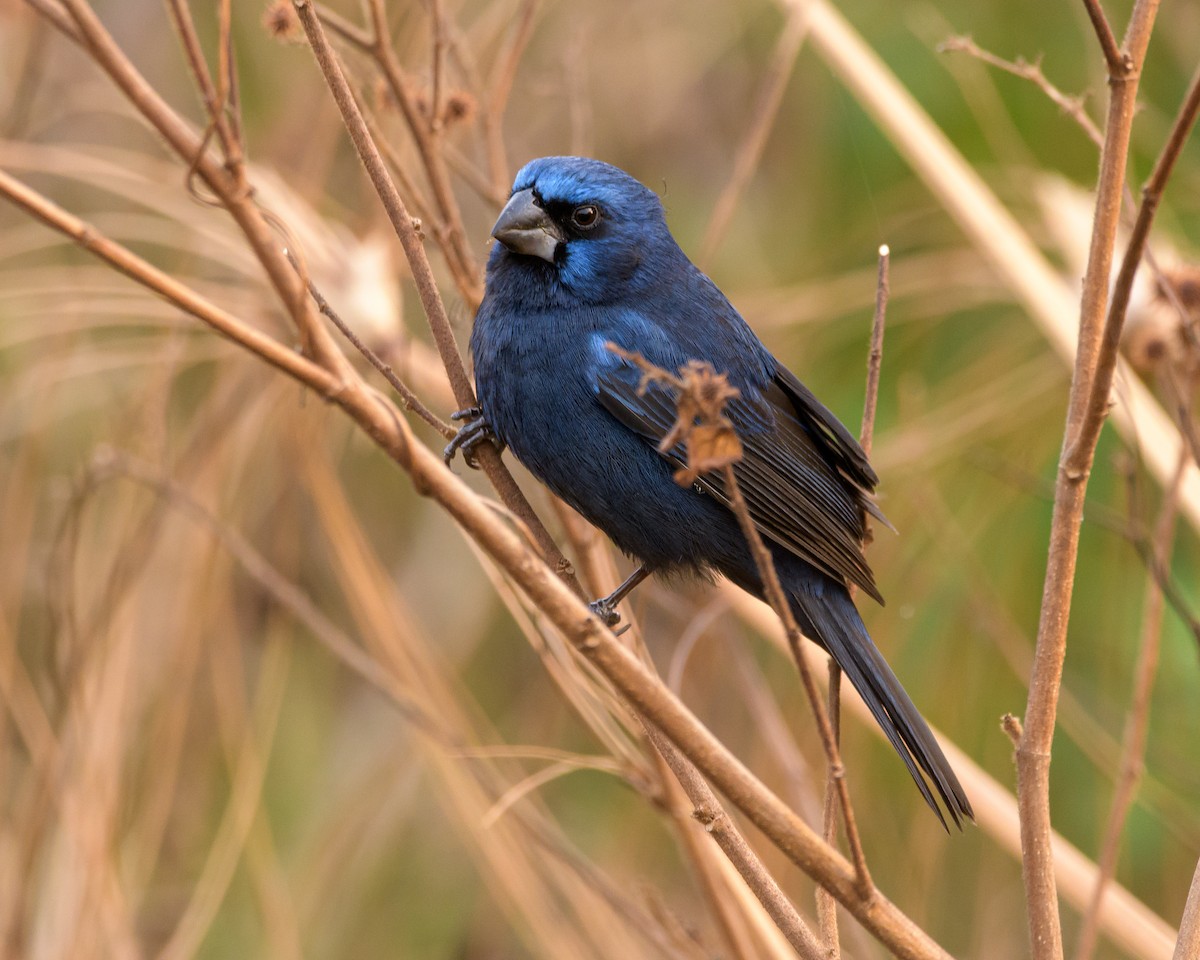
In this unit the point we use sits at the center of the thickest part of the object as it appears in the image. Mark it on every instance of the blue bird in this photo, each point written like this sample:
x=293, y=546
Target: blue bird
x=584, y=257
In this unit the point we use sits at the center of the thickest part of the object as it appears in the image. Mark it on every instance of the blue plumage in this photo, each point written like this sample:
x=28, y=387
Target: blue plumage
x=585, y=257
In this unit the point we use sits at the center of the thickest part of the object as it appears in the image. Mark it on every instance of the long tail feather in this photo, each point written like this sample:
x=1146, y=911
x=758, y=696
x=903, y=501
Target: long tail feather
x=828, y=615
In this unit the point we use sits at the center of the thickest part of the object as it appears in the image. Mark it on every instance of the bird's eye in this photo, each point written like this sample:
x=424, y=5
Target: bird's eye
x=586, y=216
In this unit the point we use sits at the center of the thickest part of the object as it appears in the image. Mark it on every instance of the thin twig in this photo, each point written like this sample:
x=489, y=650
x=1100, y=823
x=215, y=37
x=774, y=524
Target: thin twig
x=594, y=559
x=866, y=435
x=459, y=254
x=700, y=397
x=411, y=400
x=717, y=823
x=277, y=354
x=1050, y=301
x=349, y=31
x=430, y=222
x=826, y=912
x=181, y=16
x=1071, y=106
x=377, y=45
x=708, y=864
x=1128, y=922
x=394, y=205
x=1117, y=60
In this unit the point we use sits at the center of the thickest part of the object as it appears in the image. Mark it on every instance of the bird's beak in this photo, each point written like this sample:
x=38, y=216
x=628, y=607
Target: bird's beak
x=524, y=227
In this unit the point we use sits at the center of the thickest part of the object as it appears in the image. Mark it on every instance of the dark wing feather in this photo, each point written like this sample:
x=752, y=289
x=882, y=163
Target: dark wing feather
x=833, y=435
x=803, y=483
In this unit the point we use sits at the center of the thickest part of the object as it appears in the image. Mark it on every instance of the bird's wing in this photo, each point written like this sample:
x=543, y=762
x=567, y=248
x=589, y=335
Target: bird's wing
x=830, y=432
x=805, y=480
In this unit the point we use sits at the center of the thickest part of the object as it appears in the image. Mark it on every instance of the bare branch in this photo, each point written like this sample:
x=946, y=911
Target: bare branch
x=89, y=32
x=866, y=434
x=458, y=252
x=275, y=353
x=1071, y=106
x=181, y=16
x=1116, y=60
x=1093, y=356
x=718, y=824
x=411, y=400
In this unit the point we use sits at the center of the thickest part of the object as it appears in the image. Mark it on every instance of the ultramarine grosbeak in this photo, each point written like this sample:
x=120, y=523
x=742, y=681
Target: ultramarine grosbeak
x=585, y=258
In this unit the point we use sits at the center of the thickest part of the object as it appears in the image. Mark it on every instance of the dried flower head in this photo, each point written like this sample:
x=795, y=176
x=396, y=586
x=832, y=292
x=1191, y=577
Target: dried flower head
x=708, y=436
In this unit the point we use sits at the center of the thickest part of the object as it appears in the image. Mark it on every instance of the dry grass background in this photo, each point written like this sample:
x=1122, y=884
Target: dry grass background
x=196, y=757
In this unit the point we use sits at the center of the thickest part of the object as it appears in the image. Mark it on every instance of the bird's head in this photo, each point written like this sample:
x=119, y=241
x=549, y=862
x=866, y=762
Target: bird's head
x=583, y=227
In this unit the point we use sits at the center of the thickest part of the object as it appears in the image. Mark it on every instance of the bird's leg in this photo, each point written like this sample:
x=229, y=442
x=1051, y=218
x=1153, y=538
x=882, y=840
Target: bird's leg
x=606, y=607
x=473, y=432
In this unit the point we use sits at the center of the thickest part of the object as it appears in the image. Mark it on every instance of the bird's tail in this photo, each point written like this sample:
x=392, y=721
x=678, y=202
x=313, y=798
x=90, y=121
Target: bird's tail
x=828, y=615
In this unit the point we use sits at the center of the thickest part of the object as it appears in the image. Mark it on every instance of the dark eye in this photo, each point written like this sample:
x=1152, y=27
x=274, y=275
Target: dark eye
x=586, y=216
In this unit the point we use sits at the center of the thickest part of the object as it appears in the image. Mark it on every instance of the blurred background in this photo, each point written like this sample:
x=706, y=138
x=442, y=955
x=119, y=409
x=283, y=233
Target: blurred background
x=187, y=770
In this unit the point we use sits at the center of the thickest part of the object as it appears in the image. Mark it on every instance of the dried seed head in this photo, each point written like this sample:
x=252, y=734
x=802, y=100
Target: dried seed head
x=708, y=436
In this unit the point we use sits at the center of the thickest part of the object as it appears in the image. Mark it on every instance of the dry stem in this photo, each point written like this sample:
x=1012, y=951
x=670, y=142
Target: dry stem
x=1118, y=61
x=1071, y=106
x=378, y=45
x=1094, y=363
x=826, y=913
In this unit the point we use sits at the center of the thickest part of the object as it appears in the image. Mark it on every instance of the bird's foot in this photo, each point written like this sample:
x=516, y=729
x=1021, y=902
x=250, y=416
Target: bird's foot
x=606, y=607
x=606, y=610
x=474, y=431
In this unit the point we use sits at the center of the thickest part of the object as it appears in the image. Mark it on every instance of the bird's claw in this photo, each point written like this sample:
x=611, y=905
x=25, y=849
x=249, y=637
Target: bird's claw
x=474, y=431
x=606, y=611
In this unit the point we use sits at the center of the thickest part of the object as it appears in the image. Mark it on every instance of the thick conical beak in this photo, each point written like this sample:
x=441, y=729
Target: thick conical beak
x=524, y=227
